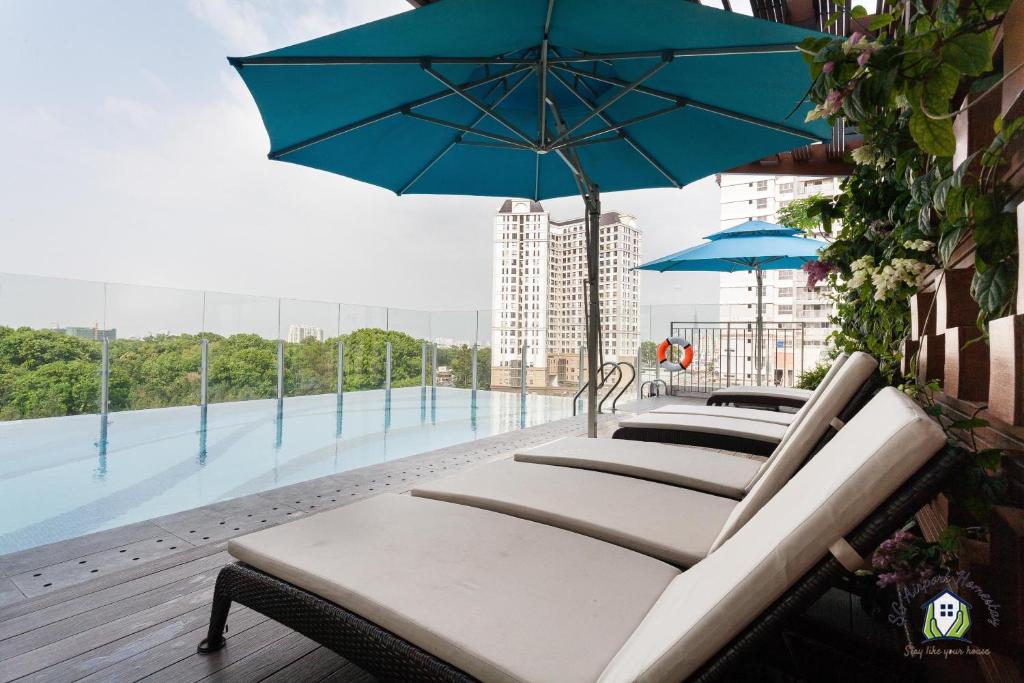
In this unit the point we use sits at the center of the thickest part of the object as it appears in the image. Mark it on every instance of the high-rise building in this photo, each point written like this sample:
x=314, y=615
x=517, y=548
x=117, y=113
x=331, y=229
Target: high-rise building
x=540, y=271
x=796, y=319
x=299, y=333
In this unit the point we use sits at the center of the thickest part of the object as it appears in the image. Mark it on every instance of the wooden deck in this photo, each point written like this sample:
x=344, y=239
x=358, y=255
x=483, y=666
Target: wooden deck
x=131, y=604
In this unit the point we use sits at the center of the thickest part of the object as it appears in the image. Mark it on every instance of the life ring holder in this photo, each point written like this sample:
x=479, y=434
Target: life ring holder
x=683, y=363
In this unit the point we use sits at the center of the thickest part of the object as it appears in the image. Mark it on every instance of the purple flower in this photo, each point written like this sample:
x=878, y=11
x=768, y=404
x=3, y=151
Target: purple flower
x=828, y=67
x=834, y=101
x=856, y=37
x=864, y=57
x=816, y=272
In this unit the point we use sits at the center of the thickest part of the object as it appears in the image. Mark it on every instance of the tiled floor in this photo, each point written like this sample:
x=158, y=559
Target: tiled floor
x=131, y=603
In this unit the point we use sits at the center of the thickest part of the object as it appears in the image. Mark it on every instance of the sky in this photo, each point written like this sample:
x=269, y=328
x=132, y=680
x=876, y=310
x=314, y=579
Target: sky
x=134, y=154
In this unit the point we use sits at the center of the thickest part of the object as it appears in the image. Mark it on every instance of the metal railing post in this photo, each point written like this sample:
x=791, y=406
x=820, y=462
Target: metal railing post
x=105, y=377
x=280, y=369
x=341, y=368
x=639, y=372
x=474, y=360
x=204, y=372
x=423, y=366
x=522, y=375
x=433, y=372
x=579, y=369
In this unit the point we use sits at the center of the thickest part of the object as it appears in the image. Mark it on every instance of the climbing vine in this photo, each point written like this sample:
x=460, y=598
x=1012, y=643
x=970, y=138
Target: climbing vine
x=908, y=208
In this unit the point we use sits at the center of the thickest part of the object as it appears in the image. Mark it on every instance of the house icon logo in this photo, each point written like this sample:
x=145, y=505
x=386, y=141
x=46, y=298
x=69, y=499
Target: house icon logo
x=947, y=617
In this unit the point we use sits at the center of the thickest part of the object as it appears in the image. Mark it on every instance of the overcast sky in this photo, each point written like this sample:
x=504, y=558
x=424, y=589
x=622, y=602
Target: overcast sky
x=134, y=154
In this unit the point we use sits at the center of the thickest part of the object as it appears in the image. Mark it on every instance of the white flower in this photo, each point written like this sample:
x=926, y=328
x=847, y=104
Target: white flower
x=919, y=245
x=864, y=155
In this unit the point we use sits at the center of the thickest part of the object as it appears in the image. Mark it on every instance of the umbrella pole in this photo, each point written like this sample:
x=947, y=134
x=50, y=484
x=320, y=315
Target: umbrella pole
x=758, y=347
x=593, y=202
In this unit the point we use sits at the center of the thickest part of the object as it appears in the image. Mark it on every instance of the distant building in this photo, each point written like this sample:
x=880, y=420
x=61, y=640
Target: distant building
x=299, y=333
x=94, y=333
x=538, y=293
x=797, y=319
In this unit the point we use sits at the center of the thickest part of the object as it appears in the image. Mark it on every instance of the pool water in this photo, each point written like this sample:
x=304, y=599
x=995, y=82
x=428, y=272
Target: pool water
x=60, y=478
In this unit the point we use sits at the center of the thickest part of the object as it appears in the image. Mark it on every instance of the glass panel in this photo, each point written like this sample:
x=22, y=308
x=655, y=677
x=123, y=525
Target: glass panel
x=310, y=330
x=154, y=362
x=50, y=348
x=243, y=333
x=364, y=331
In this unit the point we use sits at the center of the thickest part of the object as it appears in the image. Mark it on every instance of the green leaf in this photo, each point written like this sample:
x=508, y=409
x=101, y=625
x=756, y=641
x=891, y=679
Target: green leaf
x=970, y=53
x=947, y=244
x=939, y=88
x=934, y=136
x=947, y=10
x=880, y=21
x=972, y=423
x=992, y=288
x=858, y=11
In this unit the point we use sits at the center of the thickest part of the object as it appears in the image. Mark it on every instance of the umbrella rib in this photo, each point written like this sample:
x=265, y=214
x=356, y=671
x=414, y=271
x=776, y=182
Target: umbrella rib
x=621, y=124
x=394, y=111
x=460, y=137
x=338, y=60
x=465, y=129
x=666, y=60
x=694, y=103
x=782, y=48
x=542, y=94
x=648, y=157
x=478, y=104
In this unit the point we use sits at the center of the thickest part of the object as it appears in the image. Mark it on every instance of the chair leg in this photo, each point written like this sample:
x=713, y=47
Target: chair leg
x=218, y=620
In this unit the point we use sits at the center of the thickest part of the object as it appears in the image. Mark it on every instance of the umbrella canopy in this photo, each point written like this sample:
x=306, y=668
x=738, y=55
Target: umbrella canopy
x=538, y=99
x=754, y=245
x=458, y=97
x=750, y=246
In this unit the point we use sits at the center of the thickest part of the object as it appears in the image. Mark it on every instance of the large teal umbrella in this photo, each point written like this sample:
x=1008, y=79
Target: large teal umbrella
x=539, y=99
x=754, y=245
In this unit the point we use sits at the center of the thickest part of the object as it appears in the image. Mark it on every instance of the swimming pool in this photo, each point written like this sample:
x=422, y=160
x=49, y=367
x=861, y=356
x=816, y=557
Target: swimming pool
x=59, y=478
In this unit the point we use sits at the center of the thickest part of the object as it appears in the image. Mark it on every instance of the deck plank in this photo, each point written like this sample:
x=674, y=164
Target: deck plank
x=104, y=634
x=108, y=581
x=102, y=597
x=317, y=666
x=197, y=667
x=152, y=660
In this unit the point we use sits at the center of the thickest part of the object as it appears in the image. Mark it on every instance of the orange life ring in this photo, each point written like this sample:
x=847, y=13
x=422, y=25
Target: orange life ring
x=683, y=363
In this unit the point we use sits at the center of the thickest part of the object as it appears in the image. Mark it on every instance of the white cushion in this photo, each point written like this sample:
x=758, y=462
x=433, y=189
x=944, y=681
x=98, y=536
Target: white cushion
x=785, y=392
x=667, y=522
x=716, y=472
x=708, y=605
x=771, y=416
x=724, y=426
x=501, y=598
x=800, y=440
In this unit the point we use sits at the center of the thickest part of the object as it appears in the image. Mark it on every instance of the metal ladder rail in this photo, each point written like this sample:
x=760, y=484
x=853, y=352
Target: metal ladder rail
x=632, y=379
x=602, y=379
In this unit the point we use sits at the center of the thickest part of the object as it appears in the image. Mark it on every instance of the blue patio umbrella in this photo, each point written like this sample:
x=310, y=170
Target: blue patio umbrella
x=538, y=99
x=753, y=245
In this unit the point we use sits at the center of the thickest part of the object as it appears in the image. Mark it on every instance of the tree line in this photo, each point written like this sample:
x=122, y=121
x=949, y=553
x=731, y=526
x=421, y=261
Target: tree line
x=44, y=373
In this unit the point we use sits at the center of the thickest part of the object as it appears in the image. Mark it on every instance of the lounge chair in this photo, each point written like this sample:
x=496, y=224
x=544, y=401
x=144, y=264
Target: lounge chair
x=775, y=416
x=710, y=471
x=414, y=589
x=771, y=398
x=663, y=520
x=856, y=375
